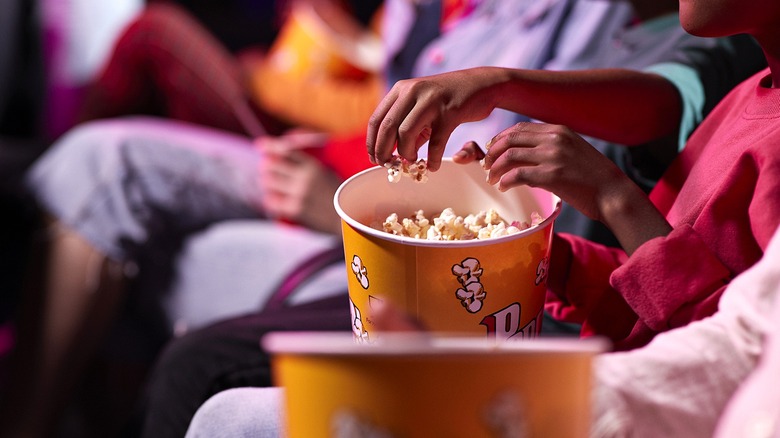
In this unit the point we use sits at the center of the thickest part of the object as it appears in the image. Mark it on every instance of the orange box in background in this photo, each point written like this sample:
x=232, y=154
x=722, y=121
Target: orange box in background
x=402, y=387
x=493, y=287
x=309, y=46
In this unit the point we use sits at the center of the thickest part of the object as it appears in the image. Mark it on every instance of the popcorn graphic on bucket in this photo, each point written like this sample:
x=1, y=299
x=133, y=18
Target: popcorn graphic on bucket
x=493, y=287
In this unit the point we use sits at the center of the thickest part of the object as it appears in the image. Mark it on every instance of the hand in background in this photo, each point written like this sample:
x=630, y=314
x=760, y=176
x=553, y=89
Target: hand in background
x=389, y=318
x=295, y=185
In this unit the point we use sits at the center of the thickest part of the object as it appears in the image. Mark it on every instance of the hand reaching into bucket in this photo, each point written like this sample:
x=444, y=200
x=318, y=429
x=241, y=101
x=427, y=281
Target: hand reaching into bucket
x=559, y=160
x=427, y=109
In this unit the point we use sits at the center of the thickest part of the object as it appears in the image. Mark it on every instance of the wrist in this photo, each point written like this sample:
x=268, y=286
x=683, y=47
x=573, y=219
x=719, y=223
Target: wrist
x=627, y=211
x=496, y=84
x=617, y=200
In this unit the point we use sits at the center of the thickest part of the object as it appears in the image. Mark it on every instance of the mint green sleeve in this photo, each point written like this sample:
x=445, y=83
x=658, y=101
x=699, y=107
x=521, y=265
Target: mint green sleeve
x=689, y=85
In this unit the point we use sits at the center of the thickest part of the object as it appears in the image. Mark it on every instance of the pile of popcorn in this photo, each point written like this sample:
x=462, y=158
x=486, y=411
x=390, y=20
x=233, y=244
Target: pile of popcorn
x=399, y=166
x=449, y=226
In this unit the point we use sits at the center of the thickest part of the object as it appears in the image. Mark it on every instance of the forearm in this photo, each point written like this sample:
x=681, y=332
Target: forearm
x=618, y=105
x=628, y=213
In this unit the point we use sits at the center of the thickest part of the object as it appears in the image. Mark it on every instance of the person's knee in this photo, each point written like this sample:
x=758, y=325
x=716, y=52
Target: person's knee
x=255, y=412
x=77, y=156
x=86, y=138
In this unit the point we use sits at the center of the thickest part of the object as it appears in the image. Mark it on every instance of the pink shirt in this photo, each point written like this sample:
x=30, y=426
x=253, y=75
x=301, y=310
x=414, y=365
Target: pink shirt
x=721, y=197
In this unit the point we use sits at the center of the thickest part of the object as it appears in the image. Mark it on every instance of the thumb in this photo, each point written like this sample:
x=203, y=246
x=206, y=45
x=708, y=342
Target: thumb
x=468, y=153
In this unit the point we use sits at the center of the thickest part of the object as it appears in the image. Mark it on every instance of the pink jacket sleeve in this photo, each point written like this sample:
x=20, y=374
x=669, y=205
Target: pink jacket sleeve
x=610, y=294
x=672, y=280
x=579, y=290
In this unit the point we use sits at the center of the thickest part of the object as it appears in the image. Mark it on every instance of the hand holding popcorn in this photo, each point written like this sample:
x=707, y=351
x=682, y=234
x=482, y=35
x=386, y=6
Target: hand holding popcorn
x=399, y=166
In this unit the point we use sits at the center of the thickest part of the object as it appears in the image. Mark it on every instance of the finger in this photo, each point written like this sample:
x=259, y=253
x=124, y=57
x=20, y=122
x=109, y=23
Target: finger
x=514, y=136
x=469, y=153
x=272, y=183
x=269, y=144
x=518, y=176
x=301, y=139
x=437, y=144
x=281, y=185
x=290, y=164
x=287, y=146
x=282, y=179
x=491, y=151
x=388, y=318
x=272, y=203
x=277, y=167
x=297, y=158
x=512, y=159
x=279, y=205
x=414, y=129
x=275, y=196
x=516, y=151
x=261, y=143
x=419, y=126
x=380, y=136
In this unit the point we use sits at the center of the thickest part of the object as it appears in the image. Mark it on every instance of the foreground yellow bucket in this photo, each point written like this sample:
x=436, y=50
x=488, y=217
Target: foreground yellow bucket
x=403, y=387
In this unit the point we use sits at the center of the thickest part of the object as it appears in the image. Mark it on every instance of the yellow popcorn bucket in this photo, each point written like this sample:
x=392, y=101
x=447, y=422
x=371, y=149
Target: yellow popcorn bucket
x=493, y=287
x=407, y=387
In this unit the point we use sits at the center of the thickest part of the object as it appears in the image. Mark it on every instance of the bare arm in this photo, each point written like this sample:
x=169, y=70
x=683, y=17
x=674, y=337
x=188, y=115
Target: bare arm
x=618, y=105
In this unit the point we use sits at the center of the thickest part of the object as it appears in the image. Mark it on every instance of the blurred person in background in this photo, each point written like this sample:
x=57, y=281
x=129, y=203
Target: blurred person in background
x=315, y=65
x=41, y=350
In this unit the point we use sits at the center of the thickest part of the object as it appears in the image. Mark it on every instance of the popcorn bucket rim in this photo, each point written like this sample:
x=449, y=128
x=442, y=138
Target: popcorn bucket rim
x=422, y=344
x=365, y=229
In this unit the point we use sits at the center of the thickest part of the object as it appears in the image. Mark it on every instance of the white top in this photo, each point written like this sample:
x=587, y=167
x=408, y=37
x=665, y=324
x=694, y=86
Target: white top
x=680, y=383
